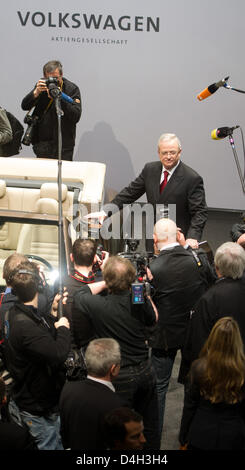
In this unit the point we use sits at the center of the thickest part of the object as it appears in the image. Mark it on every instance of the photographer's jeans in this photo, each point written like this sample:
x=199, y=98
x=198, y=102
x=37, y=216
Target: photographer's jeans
x=136, y=384
x=45, y=430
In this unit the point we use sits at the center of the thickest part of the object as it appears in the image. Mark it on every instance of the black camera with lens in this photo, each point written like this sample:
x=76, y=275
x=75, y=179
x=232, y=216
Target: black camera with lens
x=54, y=80
x=31, y=120
x=101, y=255
x=52, y=83
x=51, y=80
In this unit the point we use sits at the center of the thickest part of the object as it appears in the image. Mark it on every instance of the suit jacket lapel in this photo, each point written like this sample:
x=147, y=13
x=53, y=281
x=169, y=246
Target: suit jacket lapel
x=156, y=176
x=172, y=184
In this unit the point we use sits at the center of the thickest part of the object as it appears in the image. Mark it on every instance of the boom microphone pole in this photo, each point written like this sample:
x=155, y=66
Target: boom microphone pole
x=231, y=140
x=223, y=132
x=228, y=87
x=55, y=93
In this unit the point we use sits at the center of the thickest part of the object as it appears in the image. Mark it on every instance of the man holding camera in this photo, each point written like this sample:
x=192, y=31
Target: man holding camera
x=36, y=348
x=43, y=124
x=115, y=316
x=83, y=277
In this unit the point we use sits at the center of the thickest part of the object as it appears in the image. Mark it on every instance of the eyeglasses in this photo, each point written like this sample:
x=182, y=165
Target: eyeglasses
x=172, y=153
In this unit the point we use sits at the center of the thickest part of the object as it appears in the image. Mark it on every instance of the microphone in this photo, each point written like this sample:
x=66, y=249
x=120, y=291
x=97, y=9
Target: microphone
x=55, y=93
x=222, y=132
x=211, y=89
x=66, y=98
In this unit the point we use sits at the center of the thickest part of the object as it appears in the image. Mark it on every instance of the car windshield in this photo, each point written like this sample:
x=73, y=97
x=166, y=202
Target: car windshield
x=36, y=236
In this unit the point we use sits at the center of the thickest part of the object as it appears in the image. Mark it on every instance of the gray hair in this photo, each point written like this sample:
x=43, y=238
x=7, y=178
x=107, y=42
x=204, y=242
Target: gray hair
x=100, y=355
x=230, y=260
x=51, y=66
x=170, y=137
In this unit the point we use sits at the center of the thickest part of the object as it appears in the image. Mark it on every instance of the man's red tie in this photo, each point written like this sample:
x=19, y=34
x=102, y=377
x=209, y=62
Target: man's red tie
x=164, y=182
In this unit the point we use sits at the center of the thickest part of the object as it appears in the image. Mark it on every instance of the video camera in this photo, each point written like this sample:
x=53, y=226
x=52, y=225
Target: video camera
x=141, y=287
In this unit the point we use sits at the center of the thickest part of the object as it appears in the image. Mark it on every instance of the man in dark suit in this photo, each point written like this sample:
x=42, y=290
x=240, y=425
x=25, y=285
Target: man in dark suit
x=169, y=181
x=179, y=281
x=83, y=404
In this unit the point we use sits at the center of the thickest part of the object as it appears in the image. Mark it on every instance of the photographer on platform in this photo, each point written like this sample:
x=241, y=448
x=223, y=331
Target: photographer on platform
x=115, y=316
x=43, y=120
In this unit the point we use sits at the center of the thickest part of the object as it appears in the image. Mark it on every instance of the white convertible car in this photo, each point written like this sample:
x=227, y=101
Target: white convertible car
x=30, y=212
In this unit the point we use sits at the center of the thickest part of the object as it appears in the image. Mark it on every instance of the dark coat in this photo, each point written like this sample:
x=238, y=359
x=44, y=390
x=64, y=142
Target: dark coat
x=46, y=129
x=82, y=408
x=35, y=353
x=225, y=298
x=114, y=316
x=185, y=189
x=81, y=327
x=207, y=426
x=178, y=283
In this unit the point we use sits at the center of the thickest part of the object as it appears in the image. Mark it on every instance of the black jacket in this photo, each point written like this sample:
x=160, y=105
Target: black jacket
x=83, y=405
x=114, y=316
x=185, y=189
x=208, y=426
x=82, y=330
x=46, y=129
x=224, y=298
x=178, y=283
x=35, y=353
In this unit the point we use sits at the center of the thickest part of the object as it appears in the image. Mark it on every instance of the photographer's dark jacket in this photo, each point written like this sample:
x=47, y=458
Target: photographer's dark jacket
x=45, y=133
x=81, y=327
x=114, y=316
x=35, y=352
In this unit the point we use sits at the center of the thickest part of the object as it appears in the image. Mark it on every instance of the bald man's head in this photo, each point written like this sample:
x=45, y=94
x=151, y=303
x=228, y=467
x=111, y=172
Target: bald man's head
x=165, y=231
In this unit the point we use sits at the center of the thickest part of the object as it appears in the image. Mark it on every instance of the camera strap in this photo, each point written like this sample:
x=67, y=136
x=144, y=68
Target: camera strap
x=84, y=279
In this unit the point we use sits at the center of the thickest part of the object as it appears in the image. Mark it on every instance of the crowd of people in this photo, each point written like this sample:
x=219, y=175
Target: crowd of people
x=96, y=377
x=126, y=351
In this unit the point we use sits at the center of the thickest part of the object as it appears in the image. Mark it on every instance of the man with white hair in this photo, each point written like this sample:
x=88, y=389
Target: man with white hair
x=177, y=276
x=169, y=181
x=224, y=299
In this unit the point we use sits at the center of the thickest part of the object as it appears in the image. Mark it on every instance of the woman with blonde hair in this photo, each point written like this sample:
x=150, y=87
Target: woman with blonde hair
x=214, y=408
